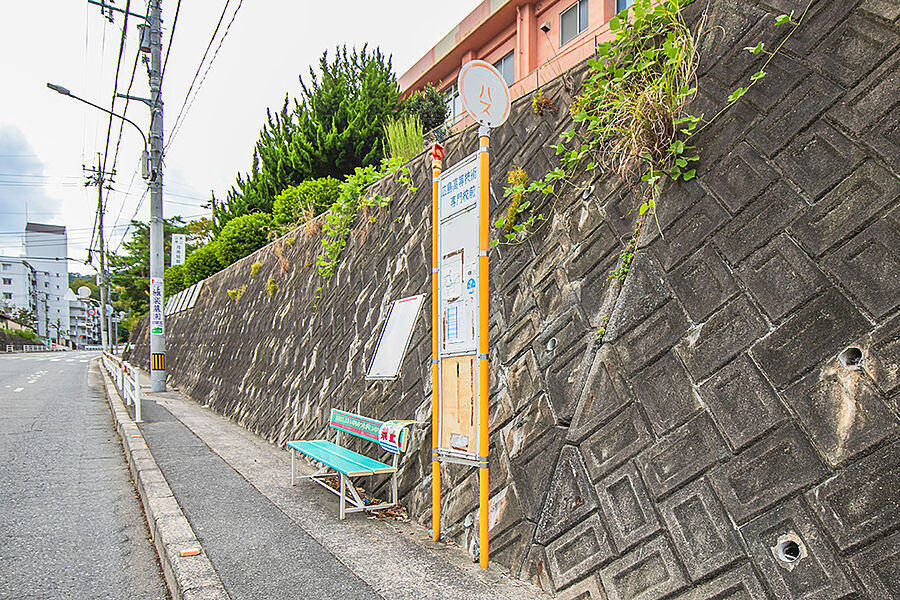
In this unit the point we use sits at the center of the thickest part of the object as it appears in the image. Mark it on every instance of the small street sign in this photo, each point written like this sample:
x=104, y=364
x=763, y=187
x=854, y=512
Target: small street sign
x=484, y=93
x=178, y=248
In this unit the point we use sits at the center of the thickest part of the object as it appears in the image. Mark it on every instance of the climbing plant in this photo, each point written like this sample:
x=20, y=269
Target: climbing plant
x=630, y=117
x=351, y=198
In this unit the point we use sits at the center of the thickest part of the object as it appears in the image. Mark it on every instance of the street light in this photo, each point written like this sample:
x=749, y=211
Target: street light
x=146, y=172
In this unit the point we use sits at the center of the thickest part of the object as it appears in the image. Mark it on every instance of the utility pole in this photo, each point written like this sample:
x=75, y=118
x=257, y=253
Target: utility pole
x=157, y=324
x=97, y=176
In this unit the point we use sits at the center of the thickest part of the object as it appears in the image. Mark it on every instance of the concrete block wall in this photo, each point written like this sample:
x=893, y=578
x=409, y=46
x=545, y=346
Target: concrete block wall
x=745, y=397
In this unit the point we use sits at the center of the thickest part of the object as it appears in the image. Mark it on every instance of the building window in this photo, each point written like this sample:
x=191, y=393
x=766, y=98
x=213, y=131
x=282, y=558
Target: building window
x=507, y=68
x=46, y=284
x=7, y=295
x=573, y=21
x=7, y=281
x=454, y=104
x=6, y=266
x=623, y=4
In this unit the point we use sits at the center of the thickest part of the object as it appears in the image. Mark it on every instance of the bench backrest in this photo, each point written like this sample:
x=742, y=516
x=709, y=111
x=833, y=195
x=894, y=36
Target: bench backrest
x=366, y=428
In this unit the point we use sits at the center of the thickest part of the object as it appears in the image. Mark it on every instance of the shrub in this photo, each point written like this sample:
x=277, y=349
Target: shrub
x=201, y=263
x=429, y=105
x=305, y=200
x=241, y=236
x=174, y=279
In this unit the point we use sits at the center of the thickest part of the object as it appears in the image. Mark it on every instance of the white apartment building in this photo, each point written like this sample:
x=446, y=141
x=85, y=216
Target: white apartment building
x=83, y=329
x=38, y=280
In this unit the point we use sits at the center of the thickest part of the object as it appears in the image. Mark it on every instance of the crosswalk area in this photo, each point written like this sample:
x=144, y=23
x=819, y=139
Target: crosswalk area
x=49, y=357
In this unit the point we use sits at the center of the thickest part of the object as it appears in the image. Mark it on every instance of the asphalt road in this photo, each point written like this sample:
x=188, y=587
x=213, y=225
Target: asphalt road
x=70, y=523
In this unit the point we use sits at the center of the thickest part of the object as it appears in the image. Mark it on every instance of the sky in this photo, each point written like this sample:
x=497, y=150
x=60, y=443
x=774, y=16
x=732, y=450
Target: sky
x=46, y=138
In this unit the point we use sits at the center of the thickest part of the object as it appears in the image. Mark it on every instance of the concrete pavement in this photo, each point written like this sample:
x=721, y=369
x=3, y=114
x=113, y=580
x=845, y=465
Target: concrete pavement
x=70, y=523
x=266, y=539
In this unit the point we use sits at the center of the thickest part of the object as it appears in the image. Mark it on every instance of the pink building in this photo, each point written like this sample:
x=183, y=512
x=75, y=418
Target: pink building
x=529, y=43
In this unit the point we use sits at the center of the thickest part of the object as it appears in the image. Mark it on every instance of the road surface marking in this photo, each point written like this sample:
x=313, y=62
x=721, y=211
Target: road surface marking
x=18, y=389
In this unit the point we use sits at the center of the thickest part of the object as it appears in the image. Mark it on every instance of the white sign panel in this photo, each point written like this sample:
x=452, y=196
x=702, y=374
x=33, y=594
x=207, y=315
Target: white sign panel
x=458, y=258
x=395, y=337
x=156, y=305
x=484, y=93
x=178, y=248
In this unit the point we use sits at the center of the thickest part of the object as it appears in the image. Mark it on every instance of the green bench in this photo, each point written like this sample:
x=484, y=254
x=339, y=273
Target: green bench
x=348, y=463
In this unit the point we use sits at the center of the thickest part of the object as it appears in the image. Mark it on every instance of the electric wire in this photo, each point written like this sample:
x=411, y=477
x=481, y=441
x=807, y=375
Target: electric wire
x=208, y=68
x=162, y=75
x=197, y=73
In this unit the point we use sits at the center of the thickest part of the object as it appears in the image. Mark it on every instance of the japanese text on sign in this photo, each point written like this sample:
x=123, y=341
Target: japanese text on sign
x=460, y=191
x=156, y=305
x=178, y=240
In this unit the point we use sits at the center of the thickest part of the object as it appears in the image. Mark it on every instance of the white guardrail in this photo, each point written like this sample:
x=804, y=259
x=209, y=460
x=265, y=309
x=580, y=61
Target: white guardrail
x=34, y=348
x=127, y=382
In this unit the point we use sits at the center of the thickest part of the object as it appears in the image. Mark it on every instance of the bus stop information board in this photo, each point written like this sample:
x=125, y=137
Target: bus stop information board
x=460, y=363
x=458, y=309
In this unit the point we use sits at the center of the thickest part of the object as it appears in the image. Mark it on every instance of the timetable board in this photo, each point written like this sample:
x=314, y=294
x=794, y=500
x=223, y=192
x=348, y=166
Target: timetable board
x=458, y=288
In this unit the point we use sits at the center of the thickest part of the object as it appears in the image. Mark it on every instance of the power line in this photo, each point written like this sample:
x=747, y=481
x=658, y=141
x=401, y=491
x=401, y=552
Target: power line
x=137, y=56
x=162, y=75
x=112, y=105
x=197, y=73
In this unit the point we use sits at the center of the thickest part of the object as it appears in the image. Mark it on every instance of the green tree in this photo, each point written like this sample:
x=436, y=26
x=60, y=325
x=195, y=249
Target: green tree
x=241, y=236
x=130, y=269
x=88, y=282
x=201, y=263
x=336, y=126
x=429, y=105
x=174, y=280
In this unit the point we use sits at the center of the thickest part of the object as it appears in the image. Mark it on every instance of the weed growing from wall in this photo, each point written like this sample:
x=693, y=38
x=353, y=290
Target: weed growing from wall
x=352, y=197
x=630, y=116
x=254, y=269
x=236, y=293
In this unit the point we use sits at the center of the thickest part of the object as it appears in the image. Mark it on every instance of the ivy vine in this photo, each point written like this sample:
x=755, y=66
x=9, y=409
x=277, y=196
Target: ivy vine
x=630, y=116
x=351, y=198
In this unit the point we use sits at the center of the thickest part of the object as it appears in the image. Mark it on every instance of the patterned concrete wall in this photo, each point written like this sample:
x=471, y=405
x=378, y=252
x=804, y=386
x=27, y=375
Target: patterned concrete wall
x=715, y=420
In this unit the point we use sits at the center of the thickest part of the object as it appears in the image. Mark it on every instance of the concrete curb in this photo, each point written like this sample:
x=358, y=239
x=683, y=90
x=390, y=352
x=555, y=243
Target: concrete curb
x=187, y=577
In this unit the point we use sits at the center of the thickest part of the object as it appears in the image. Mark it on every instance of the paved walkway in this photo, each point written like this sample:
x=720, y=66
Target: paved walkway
x=266, y=539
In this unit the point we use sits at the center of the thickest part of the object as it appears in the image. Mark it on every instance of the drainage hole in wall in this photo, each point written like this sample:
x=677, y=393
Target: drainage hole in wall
x=551, y=344
x=851, y=358
x=788, y=551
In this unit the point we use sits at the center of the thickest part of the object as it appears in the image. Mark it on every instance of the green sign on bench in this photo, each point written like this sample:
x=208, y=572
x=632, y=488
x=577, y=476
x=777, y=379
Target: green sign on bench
x=347, y=463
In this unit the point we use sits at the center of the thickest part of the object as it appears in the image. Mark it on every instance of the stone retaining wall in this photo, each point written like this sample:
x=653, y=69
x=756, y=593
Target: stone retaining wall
x=716, y=420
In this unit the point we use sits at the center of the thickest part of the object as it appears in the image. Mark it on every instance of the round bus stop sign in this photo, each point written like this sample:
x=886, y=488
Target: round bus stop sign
x=484, y=93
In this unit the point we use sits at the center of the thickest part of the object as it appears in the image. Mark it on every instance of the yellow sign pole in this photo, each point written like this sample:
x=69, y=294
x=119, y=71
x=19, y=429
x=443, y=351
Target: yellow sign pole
x=484, y=138
x=437, y=154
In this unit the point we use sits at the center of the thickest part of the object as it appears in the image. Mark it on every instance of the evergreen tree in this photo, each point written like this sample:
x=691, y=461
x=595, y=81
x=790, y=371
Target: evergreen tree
x=336, y=126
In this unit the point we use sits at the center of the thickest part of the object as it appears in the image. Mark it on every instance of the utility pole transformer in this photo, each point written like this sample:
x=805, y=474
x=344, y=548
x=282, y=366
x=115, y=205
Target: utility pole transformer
x=157, y=320
x=98, y=177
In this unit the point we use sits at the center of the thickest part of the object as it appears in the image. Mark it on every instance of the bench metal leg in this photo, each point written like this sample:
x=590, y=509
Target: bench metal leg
x=293, y=468
x=343, y=497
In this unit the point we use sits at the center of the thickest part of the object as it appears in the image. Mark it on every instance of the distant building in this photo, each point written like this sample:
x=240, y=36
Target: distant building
x=38, y=280
x=529, y=42
x=82, y=328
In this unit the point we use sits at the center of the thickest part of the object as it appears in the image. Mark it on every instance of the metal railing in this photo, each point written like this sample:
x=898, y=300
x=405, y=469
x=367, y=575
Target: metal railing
x=127, y=381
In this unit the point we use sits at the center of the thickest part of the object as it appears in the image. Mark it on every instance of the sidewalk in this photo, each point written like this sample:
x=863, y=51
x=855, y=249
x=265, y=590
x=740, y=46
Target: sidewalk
x=266, y=539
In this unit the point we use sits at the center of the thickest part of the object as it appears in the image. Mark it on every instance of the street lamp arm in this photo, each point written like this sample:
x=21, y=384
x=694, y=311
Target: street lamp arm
x=65, y=92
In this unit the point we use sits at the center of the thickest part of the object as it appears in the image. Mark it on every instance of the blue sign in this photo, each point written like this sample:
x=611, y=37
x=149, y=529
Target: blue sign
x=470, y=285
